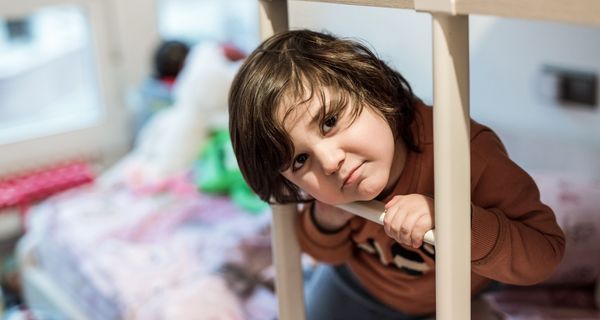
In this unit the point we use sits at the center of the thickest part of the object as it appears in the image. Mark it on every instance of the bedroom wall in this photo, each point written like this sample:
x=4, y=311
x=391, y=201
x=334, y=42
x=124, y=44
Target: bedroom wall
x=509, y=89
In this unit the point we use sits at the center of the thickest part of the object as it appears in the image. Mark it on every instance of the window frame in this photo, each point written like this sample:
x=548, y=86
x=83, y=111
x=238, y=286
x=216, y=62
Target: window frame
x=107, y=139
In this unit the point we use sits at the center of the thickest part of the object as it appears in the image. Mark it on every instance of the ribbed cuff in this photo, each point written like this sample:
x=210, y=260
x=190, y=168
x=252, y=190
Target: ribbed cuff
x=485, y=231
x=321, y=237
x=321, y=228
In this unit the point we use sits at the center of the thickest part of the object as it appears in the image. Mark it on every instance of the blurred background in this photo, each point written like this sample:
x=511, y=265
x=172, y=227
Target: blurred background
x=114, y=150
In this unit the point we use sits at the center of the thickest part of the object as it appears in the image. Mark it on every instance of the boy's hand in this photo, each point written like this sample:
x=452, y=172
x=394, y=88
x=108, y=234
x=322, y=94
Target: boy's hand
x=329, y=217
x=408, y=217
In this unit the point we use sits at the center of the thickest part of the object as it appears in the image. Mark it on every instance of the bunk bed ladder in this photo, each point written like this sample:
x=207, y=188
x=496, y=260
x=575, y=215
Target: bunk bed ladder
x=452, y=167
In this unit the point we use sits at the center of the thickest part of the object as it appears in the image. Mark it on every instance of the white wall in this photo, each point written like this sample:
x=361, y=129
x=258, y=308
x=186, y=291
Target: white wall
x=507, y=82
x=400, y=37
x=507, y=62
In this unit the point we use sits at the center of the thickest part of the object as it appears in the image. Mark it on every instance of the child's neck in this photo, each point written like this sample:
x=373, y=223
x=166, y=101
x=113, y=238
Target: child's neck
x=396, y=170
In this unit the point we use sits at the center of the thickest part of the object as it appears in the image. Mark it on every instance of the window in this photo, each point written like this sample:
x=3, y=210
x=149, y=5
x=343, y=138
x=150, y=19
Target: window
x=59, y=96
x=48, y=79
x=66, y=67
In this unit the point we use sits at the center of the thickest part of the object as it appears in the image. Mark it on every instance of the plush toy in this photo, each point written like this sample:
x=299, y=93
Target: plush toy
x=171, y=140
x=155, y=93
x=217, y=172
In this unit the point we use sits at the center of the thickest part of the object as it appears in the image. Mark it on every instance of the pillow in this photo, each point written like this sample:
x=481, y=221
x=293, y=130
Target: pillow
x=576, y=204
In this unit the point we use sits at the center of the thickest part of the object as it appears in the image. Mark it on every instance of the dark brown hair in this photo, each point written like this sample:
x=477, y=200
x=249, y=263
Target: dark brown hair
x=289, y=67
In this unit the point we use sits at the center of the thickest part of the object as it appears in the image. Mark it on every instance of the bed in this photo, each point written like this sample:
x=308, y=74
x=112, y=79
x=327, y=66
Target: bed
x=117, y=252
x=451, y=96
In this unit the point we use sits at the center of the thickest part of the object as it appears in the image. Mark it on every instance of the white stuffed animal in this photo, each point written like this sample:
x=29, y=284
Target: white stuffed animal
x=171, y=141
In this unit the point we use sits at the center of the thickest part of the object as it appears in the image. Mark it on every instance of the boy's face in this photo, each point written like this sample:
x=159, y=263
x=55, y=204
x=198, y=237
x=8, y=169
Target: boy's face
x=337, y=160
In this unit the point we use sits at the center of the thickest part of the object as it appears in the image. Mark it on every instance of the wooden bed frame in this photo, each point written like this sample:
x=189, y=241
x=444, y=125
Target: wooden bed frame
x=450, y=34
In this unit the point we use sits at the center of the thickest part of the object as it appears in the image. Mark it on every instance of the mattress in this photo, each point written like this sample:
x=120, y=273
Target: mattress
x=115, y=252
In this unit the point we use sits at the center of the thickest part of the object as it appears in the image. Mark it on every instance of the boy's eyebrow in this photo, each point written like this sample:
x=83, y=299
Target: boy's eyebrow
x=317, y=116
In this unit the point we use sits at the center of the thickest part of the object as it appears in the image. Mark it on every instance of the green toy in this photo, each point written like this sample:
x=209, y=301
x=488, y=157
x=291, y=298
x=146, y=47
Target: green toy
x=219, y=173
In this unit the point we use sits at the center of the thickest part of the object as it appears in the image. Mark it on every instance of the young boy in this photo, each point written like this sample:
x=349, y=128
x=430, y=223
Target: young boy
x=322, y=120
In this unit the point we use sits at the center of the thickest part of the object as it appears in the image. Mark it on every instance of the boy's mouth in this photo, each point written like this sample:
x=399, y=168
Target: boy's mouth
x=352, y=176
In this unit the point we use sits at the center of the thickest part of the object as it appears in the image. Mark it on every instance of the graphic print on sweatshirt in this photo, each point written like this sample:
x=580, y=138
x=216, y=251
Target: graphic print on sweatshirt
x=408, y=261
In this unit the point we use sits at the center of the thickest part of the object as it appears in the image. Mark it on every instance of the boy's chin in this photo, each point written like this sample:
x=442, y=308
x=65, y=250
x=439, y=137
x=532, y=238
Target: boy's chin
x=370, y=191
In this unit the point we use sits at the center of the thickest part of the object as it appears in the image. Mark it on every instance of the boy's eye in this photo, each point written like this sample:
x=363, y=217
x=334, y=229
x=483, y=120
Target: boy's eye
x=299, y=161
x=329, y=123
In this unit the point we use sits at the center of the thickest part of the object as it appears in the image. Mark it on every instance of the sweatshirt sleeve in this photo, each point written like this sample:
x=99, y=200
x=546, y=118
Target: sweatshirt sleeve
x=515, y=237
x=329, y=247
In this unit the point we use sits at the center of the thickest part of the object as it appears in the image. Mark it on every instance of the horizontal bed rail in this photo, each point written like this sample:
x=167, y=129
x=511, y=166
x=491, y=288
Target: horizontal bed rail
x=583, y=12
x=374, y=211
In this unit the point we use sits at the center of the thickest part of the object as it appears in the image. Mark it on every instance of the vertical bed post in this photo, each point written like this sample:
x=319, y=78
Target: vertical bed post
x=286, y=251
x=452, y=165
x=286, y=257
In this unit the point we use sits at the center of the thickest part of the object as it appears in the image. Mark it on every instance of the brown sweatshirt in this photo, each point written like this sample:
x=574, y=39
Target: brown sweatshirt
x=515, y=237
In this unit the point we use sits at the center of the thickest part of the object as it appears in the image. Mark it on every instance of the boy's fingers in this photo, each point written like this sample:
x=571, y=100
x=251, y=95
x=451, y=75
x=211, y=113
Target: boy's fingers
x=419, y=232
x=416, y=238
x=390, y=218
x=400, y=229
x=392, y=202
x=417, y=244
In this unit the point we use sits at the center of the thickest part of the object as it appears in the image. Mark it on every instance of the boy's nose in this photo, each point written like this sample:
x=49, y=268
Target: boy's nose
x=331, y=159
